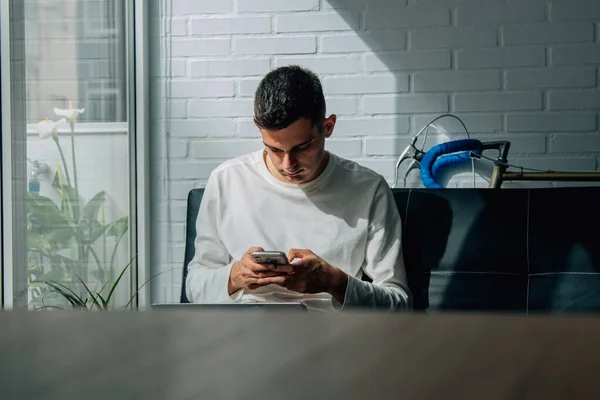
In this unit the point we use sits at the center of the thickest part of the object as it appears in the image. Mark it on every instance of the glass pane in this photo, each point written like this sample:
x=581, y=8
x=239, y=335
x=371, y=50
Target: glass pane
x=77, y=150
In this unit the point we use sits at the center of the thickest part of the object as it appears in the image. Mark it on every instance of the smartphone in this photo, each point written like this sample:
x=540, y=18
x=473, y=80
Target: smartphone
x=269, y=257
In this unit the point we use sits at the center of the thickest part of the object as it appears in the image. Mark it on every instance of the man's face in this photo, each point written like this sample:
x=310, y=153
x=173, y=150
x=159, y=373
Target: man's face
x=297, y=153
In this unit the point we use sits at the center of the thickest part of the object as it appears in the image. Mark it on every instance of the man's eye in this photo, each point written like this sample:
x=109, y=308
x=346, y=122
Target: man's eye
x=276, y=150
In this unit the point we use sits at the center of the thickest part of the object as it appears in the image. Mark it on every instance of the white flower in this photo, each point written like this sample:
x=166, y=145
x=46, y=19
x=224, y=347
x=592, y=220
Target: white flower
x=70, y=113
x=47, y=128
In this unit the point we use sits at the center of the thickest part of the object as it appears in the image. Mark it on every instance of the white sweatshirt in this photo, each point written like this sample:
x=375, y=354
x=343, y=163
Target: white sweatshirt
x=347, y=216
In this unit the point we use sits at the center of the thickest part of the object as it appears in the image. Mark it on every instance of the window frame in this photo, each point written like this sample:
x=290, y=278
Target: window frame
x=137, y=111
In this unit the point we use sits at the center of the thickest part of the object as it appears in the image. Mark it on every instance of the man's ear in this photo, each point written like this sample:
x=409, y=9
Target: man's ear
x=329, y=124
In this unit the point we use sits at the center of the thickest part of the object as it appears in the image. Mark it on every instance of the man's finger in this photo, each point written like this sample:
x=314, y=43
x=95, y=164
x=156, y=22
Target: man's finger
x=267, y=274
x=256, y=267
x=299, y=253
x=277, y=280
x=253, y=249
x=282, y=268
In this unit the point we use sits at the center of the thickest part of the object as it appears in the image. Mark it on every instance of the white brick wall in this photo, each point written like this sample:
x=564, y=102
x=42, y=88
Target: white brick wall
x=521, y=70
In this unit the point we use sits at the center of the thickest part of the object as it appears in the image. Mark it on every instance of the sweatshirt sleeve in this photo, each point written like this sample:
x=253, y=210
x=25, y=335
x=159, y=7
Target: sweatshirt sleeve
x=384, y=262
x=208, y=272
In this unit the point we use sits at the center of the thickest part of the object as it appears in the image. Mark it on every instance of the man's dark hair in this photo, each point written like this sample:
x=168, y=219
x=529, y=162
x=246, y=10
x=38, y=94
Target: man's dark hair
x=287, y=94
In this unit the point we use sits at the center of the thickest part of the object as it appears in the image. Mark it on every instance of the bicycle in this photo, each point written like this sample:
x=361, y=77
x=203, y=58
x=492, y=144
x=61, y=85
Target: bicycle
x=461, y=151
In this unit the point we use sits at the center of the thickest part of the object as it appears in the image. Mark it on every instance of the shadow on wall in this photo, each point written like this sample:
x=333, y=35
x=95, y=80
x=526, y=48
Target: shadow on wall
x=425, y=74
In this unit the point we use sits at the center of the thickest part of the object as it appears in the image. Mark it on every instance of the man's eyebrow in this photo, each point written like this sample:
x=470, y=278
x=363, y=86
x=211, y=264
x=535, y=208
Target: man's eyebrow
x=293, y=148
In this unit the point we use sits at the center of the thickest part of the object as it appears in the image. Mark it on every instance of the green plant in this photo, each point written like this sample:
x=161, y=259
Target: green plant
x=92, y=298
x=63, y=238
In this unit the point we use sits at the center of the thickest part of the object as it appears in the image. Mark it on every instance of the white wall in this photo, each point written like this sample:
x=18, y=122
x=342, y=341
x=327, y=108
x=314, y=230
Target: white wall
x=523, y=70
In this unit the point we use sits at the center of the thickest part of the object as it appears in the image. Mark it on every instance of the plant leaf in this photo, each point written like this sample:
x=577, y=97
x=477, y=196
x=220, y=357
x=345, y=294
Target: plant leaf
x=54, y=275
x=144, y=284
x=34, y=241
x=75, y=300
x=61, y=235
x=91, y=209
x=90, y=294
x=71, y=252
x=118, y=228
x=44, y=213
x=99, y=275
x=70, y=203
x=114, y=286
x=91, y=231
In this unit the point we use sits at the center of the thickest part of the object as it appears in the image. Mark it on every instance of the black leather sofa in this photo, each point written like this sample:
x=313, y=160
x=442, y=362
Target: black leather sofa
x=504, y=250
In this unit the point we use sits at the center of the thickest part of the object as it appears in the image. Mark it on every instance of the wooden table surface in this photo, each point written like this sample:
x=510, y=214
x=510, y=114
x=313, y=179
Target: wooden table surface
x=260, y=355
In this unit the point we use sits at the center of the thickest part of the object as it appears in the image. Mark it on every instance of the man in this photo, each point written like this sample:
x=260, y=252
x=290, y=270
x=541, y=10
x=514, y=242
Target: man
x=334, y=218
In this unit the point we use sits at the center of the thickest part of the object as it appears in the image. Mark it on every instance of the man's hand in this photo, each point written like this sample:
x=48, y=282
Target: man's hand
x=311, y=274
x=247, y=274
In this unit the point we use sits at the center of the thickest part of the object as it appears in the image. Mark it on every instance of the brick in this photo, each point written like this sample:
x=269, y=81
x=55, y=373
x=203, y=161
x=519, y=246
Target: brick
x=541, y=33
x=344, y=148
x=544, y=78
x=485, y=14
x=498, y=101
x=346, y=4
x=178, y=68
x=342, y=21
x=571, y=100
x=456, y=80
x=502, y=57
x=192, y=169
x=578, y=10
x=220, y=108
x=530, y=144
x=187, y=7
x=176, y=26
x=342, y=105
x=408, y=60
x=363, y=42
x=180, y=190
x=556, y=164
x=247, y=87
x=275, y=45
x=247, y=128
x=395, y=17
x=202, y=127
x=277, y=5
x=404, y=104
x=385, y=146
x=200, y=47
x=178, y=148
x=240, y=67
x=576, y=55
x=488, y=123
x=177, y=252
x=324, y=64
x=545, y=122
x=385, y=168
x=365, y=84
x=230, y=25
x=371, y=126
x=176, y=233
x=203, y=88
x=575, y=143
x=444, y=38
x=223, y=149
x=177, y=109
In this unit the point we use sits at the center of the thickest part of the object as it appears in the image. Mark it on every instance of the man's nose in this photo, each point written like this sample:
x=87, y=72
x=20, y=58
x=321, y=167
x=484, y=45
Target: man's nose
x=289, y=160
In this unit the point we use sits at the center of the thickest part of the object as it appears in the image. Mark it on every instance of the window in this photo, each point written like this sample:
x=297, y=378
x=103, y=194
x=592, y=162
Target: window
x=69, y=196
